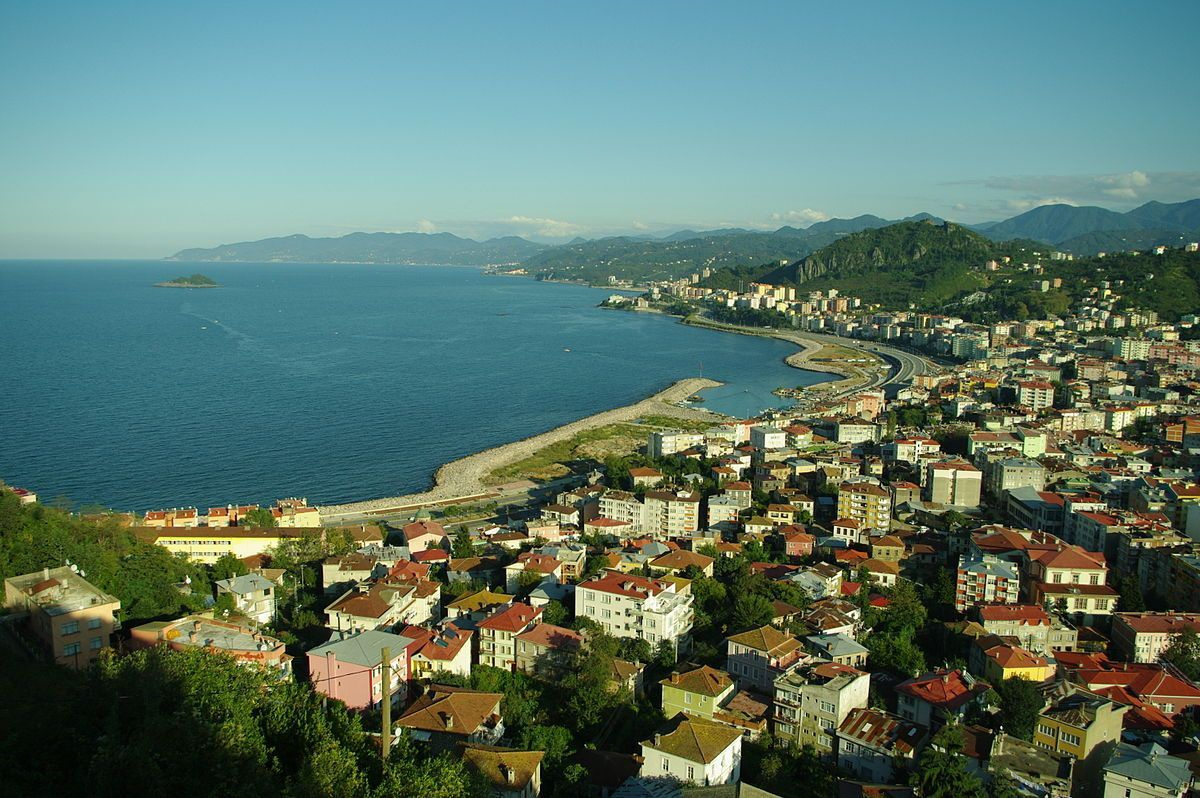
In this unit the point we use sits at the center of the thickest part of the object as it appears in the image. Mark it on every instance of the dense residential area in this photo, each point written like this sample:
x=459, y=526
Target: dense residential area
x=977, y=578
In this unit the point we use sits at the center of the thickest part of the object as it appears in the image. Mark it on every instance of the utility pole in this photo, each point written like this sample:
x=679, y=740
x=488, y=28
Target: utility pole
x=386, y=653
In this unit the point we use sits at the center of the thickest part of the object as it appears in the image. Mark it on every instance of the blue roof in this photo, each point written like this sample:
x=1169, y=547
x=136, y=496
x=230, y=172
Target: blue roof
x=1150, y=764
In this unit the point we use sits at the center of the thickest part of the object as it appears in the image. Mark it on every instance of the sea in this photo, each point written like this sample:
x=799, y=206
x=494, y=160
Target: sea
x=335, y=382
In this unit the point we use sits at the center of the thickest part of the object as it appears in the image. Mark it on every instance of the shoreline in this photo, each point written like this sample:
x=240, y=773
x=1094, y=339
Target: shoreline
x=464, y=478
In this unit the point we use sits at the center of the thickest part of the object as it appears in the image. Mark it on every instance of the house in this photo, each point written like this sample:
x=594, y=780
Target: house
x=474, y=607
x=448, y=650
x=1144, y=636
x=797, y=543
x=869, y=742
x=811, y=703
x=445, y=717
x=648, y=477
x=1147, y=772
x=676, y=562
x=839, y=648
x=887, y=548
x=694, y=750
x=247, y=646
x=935, y=698
x=72, y=619
x=497, y=633
x=883, y=572
x=422, y=535
x=253, y=596
x=372, y=605
x=847, y=530
x=529, y=565
x=511, y=774
x=998, y=659
x=573, y=557
x=487, y=570
x=629, y=606
x=546, y=650
x=758, y=657
x=340, y=573
x=699, y=692
x=350, y=669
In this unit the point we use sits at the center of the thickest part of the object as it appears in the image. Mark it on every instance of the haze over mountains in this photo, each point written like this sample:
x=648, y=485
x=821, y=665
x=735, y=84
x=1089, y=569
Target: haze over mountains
x=1082, y=230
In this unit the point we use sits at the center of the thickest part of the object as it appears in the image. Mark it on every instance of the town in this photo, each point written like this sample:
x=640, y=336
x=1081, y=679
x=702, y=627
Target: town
x=983, y=579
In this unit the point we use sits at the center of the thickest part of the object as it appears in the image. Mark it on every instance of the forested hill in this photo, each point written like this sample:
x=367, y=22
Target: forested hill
x=412, y=248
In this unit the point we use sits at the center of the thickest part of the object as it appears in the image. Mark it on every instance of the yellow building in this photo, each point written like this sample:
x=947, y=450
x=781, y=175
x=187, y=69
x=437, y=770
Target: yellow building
x=73, y=619
x=207, y=545
x=697, y=692
x=1078, y=722
x=866, y=503
x=1003, y=661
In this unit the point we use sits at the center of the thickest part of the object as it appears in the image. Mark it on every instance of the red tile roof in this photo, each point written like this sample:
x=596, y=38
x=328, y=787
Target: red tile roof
x=511, y=618
x=945, y=689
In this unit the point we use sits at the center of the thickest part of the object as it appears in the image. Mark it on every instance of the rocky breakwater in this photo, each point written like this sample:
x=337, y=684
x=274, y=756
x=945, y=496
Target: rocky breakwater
x=465, y=478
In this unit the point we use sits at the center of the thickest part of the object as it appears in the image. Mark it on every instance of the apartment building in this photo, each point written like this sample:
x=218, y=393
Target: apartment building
x=760, y=656
x=1077, y=722
x=694, y=750
x=954, y=482
x=1035, y=394
x=247, y=646
x=701, y=692
x=253, y=596
x=350, y=669
x=668, y=442
x=629, y=606
x=865, y=502
x=910, y=450
x=985, y=579
x=498, y=632
x=73, y=619
x=1144, y=636
x=870, y=742
x=810, y=704
x=1030, y=624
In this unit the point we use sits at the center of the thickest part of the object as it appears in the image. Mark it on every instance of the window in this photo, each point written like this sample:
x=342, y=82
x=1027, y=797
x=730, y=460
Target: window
x=1095, y=579
x=93, y=623
x=828, y=707
x=70, y=628
x=1101, y=604
x=1080, y=604
x=1070, y=739
x=1058, y=577
x=1046, y=730
x=97, y=644
x=687, y=698
x=70, y=649
x=691, y=773
x=666, y=766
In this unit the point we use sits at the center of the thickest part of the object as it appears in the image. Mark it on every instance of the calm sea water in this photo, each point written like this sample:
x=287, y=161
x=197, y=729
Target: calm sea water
x=335, y=382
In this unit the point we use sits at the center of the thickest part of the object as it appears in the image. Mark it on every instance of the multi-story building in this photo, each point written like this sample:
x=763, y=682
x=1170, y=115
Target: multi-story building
x=1077, y=722
x=372, y=605
x=935, y=698
x=618, y=505
x=247, y=646
x=762, y=437
x=207, y=544
x=546, y=649
x=350, y=669
x=867, y=503
x=1010, y=473
x=447, y=717
x=810, y=704
x=446, y=651
x=253, y=596
x=869, y=742
x=910, y=450
x=672, y=514
x=1035, y=394
x=668, y=442
x=760, y=656
x=630, y=606
x=985, y=579
x=73, y=619
x=1144, y=636
x=497, y=633
x=694, y=750
x=1030, y=624
x=954, y=482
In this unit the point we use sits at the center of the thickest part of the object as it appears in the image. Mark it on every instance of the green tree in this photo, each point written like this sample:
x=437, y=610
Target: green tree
x=1131, y=598
x=1184, y=653
x=942, y=768
x=665, y=655
x=1002, y=785
x=228, y=566
x=636, y=649
x=258, y=518
x=462, y=545
x=554, y=612
x=750, y=611
x=1020, y=703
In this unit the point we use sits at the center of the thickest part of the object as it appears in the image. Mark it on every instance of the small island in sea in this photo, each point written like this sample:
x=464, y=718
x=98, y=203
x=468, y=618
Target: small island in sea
x=194, y=281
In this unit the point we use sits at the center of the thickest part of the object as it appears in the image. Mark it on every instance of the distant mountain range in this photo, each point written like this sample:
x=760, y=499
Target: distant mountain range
x=1076, y=228
x=412, y=248
x=1079, y=230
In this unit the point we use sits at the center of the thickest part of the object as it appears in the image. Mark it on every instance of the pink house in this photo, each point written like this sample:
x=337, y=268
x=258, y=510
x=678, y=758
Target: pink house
x=351, y=671
x=796, y=541
x=422, y=535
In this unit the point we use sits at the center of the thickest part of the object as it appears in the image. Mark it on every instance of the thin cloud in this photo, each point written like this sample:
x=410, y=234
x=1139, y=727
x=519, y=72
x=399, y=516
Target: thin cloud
x=1122, y=189
x=801, y=218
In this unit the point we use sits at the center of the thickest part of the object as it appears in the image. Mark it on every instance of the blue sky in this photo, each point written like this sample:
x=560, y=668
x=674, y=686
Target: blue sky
x=137, y=129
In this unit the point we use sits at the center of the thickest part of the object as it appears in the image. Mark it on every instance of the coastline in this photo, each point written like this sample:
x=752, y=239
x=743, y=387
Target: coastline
x=464, y=478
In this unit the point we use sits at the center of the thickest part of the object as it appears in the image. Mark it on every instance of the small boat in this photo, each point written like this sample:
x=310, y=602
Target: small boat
x=695, y=398
x=566, y=349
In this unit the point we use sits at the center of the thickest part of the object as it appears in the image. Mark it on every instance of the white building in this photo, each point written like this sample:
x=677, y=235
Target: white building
x=767, y=437
x=253, y=595
x=634, y=606
x=695, y=751
x=668, y=442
